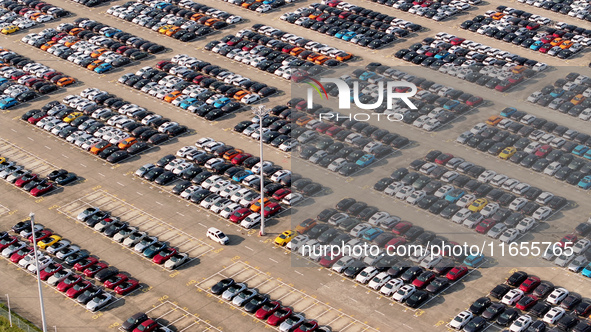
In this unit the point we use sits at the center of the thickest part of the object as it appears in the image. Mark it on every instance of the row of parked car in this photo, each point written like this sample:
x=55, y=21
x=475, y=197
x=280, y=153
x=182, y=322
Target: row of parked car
x=528, y=34
x=140, y=322
x=479, y=199
x=437, y=11
x=66, y=267
x=570, y=95
x=30, y=182
x=174, y=21
x=577, y=9
x=91, y=3
x=264, y=308
x=17, y=15
x=347, y=25
x=114, y=131
x=522, y=299
x=159, y=252
x=260, y=6
x=552, y=150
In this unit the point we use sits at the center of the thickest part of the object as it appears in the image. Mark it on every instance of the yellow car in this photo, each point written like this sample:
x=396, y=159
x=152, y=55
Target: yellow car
x=478, y=205
x=10, y=29
x=165, y=28
x=72, y=116
x=285, y=237
x=507, y=153
x=48, y=241
x=2, y=160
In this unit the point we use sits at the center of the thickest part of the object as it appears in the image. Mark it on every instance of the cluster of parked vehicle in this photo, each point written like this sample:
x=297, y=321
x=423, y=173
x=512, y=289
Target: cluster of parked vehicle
x=355, y=24
x=526, y=303
x=570, y=95
x=262, y=7
x=140, y=322
x=576, y=9
x=435, y=10
x=534, y=143
x=277, y=52
x=530, y=31
x=65, y=266
x=18, y=15
x=264, y=308
x=493, y=204
x=198, y=86
x=173, y=21
x=114, y=131
x=149, y=247
x=91, y=3
x=30, y=182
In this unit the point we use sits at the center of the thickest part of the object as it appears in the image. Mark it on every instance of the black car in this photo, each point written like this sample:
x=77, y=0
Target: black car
x=417, y=299
x=517, y=278
x=480, y=305
x=499, y=291
x=134, y=321
x=508, y=316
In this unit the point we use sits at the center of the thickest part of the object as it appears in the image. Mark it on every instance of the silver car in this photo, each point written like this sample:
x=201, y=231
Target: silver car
x=578, y=264
x=145, y=243
x=176, y=261
x=233, y=291
x=134, y=238
x=291, y=323
x=563, y=260
x=89, y=212
x=243, y=297
x=99, y=301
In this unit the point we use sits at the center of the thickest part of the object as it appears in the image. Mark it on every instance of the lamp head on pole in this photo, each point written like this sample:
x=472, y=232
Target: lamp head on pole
x=260, y=110
x=31, y=214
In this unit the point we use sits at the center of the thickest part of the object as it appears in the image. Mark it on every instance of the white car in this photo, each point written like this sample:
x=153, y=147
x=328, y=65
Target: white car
x=379, y=280
x=228, y=209
x=404, y=293
x=557, y=296
x=486, y=176
x=391, y=286
x=466, y=200
x=461, y=320
x=525, y=225
x=337, y=164
x=217, y=236
x=415, y=197
x=512, y=297
x=251, y=220
x=292, y=199
x=553, y=315
x=544, y=198
x=517, y=204
x=296, y=242
x=428, y=168
x=444, y=190
x=498, y=180
x=542, y=213
x=366, y=275
x=378, y=217
x=581, y=246
x=461, y=216
x=521, y=324
x=393, y=188
x=509, y=235
x=360, y=229
x=430, y=261
x=342, y=263
x=403, y=193
x=489, y=209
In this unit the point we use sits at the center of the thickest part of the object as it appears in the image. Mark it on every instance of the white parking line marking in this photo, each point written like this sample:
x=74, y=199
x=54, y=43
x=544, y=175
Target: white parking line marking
x=82, y=165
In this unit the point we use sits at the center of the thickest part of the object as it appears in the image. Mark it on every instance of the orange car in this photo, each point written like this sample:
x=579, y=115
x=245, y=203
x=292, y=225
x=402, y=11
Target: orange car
x=165, y=28
x=232, y=153
x=321, y=59
x=197, y=16
x=305, y=225
x=313, y=57
x=172, y=96
x=47, y=45
x=240, y=94
x=94, y=64
x=35, y=16
x=556, y=42
x=296, y=51
x=126, y=143
x=65, y=81
x=247, y=4
x=518, y=69
x=211, y=22
x=172, y=31
x=98, y=53
x=497, y=16
x=303, y=120
x=256, y=207
x=71, y=43
x=566, y=44
x=344, y=56
x=75, y=31
x=494, y=120
x=315, y=15
x=99, y=147
x=577, y=99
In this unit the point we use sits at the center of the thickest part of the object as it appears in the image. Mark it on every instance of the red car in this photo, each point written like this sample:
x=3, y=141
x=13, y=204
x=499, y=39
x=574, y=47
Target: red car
x=85, y=263
x=424, y=279
x=271, y=209
x=447, y=250
x=41, y=189
x=457, y=41
x=344, y=15
x=329, y=260
x=239, y=159
x=7, y=241
x=566, y=241
x=474, y=101
x=267, y=310
x=545, y=48
x=281, y=193
x=333, y=131
x=516, y=78
x=395, y=242
x=59, y=36
x=127, y=286
x=443, y=158
x=94, y=269
x=69, y=282
x=164, y=255
x=504, y=85
x=239, y=215
x=307, y=326
x=485, y=226
x=533, y=26
x=78, y=289
x=17, y=256
x=51, y=75
x=115, y=280
x=530, y=284
x=543, y=151
x=279, y=316
x=50, y=270
x=547, y=39
x=401, y=227
x=162, y=63
x=147, y=326
x=526, y=302
x=20, y=182
x=40, y=235
x=456, y=273
x=36, y=118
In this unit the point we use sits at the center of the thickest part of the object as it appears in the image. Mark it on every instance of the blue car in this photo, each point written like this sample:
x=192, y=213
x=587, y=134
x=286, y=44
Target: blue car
x=349, y=35
x=111, y=33
x=441, y=55
x=580, y=150
x=585, y=182
x=587, y=271
x=105, y=67
x=474, y=260
x=372, y=233
x=451, y=104
x=454, y=195
x=221, y=102
x=508, y=111
x=367, y=75
x=187, y=102
x=557, y=93
x=7, y=102
x=238, y=177
x=366, y=160
x=269, y=2
x=162, y=5
x=340, y=34
x=537, y=45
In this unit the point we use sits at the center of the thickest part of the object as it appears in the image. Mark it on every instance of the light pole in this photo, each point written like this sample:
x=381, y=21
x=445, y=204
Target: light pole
x=32, y=215
x=261, y=111
x=9, y=312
